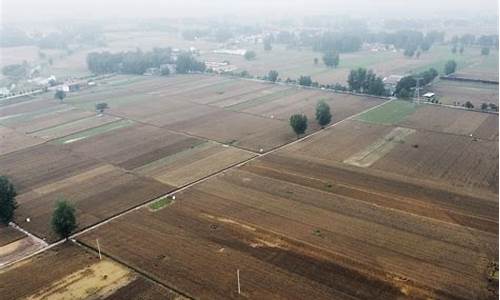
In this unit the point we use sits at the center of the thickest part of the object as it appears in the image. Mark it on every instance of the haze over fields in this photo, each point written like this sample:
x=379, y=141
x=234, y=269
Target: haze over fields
x=257, y=149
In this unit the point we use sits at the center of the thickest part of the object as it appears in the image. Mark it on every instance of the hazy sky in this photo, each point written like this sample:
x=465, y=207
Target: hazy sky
x=16, y=10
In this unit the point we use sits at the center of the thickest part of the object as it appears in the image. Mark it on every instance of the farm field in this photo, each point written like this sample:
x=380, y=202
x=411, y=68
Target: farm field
x=457, y=93
x=9, y=235
x=159, y=134
x=302, y=228
x=69, y=272
x=291, y=63
x=485, y=68
x=251, y=115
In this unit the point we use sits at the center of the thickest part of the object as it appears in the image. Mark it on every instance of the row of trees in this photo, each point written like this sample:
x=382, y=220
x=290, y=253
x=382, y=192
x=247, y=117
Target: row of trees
x=407, y=84
x=82, y=35
x=366, y=82
x=63, y=218
x=299, y=122
x=137, y=62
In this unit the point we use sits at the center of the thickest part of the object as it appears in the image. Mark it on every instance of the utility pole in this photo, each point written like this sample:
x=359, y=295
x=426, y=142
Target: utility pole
x=98, y=249
x=238, y=276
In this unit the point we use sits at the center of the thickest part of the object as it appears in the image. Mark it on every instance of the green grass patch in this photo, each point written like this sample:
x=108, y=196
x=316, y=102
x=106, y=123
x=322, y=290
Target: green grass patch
x=93, y=132
x=160, y=203
x=389, y=113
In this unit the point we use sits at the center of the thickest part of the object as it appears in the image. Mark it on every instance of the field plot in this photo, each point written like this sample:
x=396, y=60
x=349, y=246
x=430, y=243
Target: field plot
x=457, y=92
x=457, y=160
x=73, y=127
x=297, y=229
x=69, y=272
x=97, y=194
x=11, y=140
x=193, y=163
x=248, y=114
x=9, y=235
x=291, y=63
x=44, y=118
x=454, y=121
x=271, y=265
x=485, y=68
x=427, y=152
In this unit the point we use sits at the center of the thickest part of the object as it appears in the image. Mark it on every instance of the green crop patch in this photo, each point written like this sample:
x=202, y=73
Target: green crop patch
x=389, y=113
x=161, y=203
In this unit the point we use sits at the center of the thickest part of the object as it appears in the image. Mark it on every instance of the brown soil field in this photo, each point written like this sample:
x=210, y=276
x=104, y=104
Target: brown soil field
x=70, y=272
x=239, y=129
x=28, y=105
x=449, y=92
x=32, y=123
x=42, y=164
x=9, y=235
x=194, y=163
x=457, y=160
x=297, y=229
x=134, y=146
x=341, y=106
x=249, y=114
x=73, y=127
x=340, y=142
x=86, y=190
x=11, y=140
x=427, y=154
x=446, y=120
x=488, y=129
x=271, y=266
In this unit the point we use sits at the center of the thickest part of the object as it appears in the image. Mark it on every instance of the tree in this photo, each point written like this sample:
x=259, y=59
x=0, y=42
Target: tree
x=305, y=80
x=298, y=122
x=100, y=107
x=164, y=71
x=484, y=106
x=493, y=107
x=15, y=71
x=485, y=51
x=272, y=76
x=63, y=219
x=323, y=115
x=450, y=67
x=8, y=202
x=315, y=60
x=404, y=93
x=331, y=59
x=60, y=94
x=249, y=55
x=186, y=63
x=468, y=105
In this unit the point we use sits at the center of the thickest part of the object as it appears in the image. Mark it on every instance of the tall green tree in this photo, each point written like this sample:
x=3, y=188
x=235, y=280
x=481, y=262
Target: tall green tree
x=323, y=115
x=272, y=75
x=298, y=122
x=60, y=94
x=64, y=219
x=8, y=202
x=450, y=67
x=305, y=80
x=331, y=59
x=249, y=55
